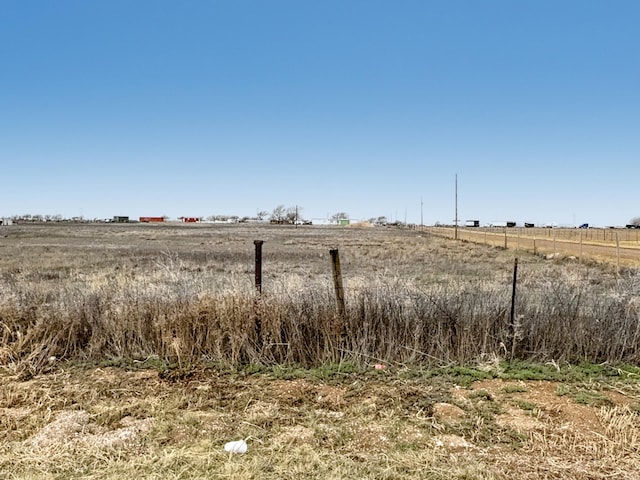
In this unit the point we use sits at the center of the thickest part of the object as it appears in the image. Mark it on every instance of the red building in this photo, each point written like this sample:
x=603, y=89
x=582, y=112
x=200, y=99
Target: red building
x=151, y=219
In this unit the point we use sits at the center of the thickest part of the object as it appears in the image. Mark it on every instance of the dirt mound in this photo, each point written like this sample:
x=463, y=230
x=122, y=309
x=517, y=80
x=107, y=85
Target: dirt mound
x=76, y=427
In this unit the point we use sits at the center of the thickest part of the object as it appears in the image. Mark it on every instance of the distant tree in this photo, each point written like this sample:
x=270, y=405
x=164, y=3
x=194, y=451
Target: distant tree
x=382, y=220
x=262, y=214
x=336, y=217
x=278, y=214
x=293, y=215
x=222, y=218
x=635, y=221
x=288, y=215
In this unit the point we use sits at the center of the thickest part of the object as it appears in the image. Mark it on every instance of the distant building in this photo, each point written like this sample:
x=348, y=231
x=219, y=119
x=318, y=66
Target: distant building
x=508, y=224
x=6, y=221
x=151, y=219
x=190, y=219
x=120, y=219
x=472, y=223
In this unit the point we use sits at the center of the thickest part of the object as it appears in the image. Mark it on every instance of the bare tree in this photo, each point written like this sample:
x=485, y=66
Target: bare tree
x=382, y=220
x=635, y=221
x=336, y=217
x=278, y=214
x=288, y=215
x=293, y=215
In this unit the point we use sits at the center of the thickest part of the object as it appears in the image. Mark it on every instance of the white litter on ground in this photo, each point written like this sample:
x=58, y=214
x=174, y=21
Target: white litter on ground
x=237, y=446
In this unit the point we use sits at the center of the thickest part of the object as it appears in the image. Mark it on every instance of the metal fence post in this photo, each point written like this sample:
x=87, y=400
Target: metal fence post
x=337, y=280
x=258, y=244
x=257, y=303
x=512, y=325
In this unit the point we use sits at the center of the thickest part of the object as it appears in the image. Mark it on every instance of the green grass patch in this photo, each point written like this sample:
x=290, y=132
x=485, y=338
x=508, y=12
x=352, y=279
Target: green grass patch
x=583, y=372
x=524, y=405
x=464, y=376
x=519, y=370
x=514, y=389
x=481, y=395
x=327, y=372
x=593, y=398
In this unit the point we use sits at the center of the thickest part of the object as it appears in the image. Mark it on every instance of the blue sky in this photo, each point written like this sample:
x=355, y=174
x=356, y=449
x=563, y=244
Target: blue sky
x=196, y=108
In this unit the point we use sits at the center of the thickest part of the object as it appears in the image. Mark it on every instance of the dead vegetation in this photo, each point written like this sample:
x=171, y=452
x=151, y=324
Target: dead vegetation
x=184, y=294
x=133, y=351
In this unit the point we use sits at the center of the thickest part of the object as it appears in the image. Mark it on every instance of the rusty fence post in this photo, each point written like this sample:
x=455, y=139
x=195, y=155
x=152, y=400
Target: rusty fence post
x=257, y=302
x=512, y=326
x=337, y=280
x=258, y=244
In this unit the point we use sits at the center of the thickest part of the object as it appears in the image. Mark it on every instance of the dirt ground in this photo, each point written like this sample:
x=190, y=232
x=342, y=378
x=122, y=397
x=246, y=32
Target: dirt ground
x=76, y=422
x=626, y=251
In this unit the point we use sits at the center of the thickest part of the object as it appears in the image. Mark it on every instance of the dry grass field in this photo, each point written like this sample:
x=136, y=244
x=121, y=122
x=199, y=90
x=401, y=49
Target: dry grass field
x=140, y=350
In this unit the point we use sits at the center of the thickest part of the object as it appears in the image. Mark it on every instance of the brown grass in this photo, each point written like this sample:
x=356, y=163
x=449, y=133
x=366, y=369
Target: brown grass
x=183, y=294
x=131, y=351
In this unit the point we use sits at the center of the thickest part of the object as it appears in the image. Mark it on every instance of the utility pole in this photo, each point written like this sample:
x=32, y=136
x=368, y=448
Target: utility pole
x=456, y=225
x=421, y=218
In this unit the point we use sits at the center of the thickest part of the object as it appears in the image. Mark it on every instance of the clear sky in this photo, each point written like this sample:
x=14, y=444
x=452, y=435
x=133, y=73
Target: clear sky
x=194, y=108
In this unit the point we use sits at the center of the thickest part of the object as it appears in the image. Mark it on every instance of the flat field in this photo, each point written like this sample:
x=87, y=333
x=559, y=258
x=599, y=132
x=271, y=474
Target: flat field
x=138, y=351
